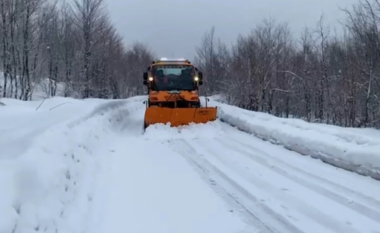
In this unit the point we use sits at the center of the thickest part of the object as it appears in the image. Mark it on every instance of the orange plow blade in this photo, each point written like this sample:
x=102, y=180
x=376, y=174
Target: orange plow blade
x=179, y=116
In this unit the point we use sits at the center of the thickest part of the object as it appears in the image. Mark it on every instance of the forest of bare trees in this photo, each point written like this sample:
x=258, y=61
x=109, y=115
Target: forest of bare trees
x=45, y=42
x=319, y=77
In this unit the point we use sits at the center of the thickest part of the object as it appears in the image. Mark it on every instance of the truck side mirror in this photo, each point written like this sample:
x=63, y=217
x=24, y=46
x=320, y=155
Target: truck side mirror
x=145, y=77
x=200, y=75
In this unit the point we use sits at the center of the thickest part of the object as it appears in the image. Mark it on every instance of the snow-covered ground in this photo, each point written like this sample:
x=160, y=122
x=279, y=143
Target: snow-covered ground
x=353, y=149
x=47, y=162
x=86, y=166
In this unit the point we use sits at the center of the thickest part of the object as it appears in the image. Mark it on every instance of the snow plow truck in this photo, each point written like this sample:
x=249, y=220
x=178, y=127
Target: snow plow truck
x=173, y=94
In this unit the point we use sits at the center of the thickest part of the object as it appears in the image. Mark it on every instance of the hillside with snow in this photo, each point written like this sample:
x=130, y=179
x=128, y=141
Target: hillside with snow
x=70, y=165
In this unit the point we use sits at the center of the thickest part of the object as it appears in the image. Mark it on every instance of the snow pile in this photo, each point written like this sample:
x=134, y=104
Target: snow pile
x=341, y=147
x=50, y=185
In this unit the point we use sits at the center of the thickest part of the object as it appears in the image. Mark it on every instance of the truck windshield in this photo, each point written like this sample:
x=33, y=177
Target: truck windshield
x=173, y=77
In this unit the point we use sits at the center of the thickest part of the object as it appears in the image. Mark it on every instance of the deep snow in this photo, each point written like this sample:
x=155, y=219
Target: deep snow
x=86, y=166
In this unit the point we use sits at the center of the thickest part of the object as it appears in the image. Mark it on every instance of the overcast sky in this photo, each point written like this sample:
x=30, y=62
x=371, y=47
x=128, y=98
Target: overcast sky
x=172, y=28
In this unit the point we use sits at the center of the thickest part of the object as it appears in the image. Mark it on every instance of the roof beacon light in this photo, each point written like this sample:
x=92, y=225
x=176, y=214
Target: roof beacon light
x=172, y=59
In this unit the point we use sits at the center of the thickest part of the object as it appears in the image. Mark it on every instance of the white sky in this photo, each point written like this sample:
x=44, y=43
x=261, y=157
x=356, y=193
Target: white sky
x=172, y=28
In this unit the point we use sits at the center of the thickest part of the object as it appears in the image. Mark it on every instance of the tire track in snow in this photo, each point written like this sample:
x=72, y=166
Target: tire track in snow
x=262, y=217
x=320, y=219
x=357, y=207
x=364, y=198
x=204, y=169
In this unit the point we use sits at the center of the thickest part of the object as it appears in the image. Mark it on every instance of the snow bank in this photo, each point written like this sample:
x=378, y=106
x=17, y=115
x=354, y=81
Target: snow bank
x=50, y=187
x=342, y=147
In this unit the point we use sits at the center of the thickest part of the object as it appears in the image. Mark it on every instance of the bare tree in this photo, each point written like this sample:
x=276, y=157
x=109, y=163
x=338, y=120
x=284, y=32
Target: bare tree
x=46, y=43
x=88, y=18
x=324, y=78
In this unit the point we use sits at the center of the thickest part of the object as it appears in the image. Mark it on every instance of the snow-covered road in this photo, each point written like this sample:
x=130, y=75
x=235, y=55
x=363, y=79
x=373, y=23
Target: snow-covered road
x=198, y=178
x=284, y=191
x=157, y=185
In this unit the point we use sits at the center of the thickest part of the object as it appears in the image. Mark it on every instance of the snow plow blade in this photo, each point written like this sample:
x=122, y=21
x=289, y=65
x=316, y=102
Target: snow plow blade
x=179, y=116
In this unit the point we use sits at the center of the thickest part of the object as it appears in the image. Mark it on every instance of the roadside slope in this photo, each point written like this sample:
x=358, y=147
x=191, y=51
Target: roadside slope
x=50, y=166
x=355, y=150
